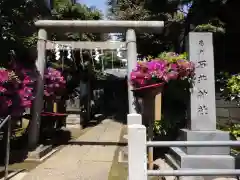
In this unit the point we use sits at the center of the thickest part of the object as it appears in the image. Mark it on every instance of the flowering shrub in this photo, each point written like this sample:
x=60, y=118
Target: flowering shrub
x=15, y=95
x=17, y=84
x=28, y=82
x=8, y=83
x=54, y=83
x=171, y=66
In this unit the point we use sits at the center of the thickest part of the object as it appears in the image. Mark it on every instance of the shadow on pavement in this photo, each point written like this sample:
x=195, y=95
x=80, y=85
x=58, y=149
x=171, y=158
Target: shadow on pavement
x=97, y=143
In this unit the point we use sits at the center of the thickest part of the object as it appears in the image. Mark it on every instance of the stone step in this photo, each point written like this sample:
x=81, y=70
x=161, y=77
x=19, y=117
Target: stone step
x=123, y=155
x=237, y=160
x=184, y=160
x=173, y=157
x=15, y=174
x=39, y=153
x=162, y=164
x=125, y=138
x=171, y=161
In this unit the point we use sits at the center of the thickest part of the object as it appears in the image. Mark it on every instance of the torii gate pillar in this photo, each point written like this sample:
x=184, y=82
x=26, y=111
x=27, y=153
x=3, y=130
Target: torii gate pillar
x=132, y=62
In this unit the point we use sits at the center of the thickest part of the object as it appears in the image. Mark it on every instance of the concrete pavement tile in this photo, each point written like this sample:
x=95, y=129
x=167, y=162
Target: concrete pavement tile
x=111, y=136
x=68, y=155
x=84, y=171
x=94, y=133
x=101, y=154
x=95, y=170
x=106, y=121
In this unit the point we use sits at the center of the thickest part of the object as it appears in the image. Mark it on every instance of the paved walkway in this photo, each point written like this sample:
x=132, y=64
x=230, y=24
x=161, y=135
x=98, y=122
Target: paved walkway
x=87, y=158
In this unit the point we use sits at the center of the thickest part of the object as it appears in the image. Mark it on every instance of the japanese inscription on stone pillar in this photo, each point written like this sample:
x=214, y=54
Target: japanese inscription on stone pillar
x=203, y=107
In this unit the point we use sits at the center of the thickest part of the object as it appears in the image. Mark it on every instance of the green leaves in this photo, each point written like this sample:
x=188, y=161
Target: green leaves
x=229, y=86
x=233, y=84
x=17, y=25
x=65, y=10
x=172, y=57
x=179, y=16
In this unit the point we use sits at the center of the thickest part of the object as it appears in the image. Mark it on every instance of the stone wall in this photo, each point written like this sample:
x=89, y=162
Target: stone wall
x=227, y=111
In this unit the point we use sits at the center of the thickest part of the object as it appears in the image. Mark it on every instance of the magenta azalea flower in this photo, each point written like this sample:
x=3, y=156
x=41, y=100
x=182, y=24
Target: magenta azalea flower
x=4, y=75
x=161, y=71
x=17, y=85
x=15, y=91
x=54, y=83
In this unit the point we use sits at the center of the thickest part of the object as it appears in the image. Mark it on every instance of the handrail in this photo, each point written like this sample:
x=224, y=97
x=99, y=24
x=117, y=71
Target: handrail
x=3, y=121
x=137, y=158
x=195, y=172
x=7, y=133
x=192, y=143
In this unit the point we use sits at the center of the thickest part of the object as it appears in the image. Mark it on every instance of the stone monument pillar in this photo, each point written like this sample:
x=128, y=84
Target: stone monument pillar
x=202, y=123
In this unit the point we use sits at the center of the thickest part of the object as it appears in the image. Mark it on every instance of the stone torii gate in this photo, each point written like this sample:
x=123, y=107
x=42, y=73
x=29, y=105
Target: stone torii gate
x=102, y=26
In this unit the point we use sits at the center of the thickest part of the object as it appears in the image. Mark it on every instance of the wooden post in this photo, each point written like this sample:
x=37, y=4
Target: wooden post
x=34, y=128
x=151, y=113
x=157, y=117
x=158, y=107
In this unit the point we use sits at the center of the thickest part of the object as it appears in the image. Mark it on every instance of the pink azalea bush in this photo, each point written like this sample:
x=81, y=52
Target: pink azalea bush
x=161, y=70
x=28, y=80
x=7, y=82
x=17, y=88
x=54, y=83
x=15, y=94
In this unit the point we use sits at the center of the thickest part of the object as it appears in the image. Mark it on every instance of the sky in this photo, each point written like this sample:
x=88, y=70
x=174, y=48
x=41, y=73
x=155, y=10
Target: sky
x=99, y=4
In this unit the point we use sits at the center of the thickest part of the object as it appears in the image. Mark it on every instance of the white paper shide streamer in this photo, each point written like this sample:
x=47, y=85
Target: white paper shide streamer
x=57, y=52
x=69, y=53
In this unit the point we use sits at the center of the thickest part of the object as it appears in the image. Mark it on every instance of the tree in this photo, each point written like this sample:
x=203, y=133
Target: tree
x=66, y=10
x=181, y=17
x=17, y=24
x=167, y=11
x=217, y=16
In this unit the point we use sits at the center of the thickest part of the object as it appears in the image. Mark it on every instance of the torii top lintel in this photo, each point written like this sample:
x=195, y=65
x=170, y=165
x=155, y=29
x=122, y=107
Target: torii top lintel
x=101, y=26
